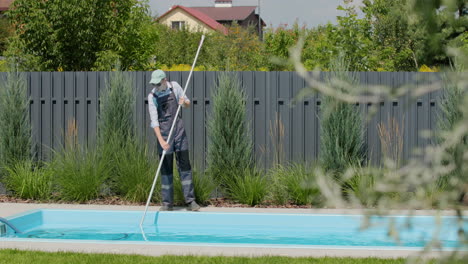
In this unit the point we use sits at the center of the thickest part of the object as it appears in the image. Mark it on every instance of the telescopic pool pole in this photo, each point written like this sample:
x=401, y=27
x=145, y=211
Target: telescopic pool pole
x=170, y=132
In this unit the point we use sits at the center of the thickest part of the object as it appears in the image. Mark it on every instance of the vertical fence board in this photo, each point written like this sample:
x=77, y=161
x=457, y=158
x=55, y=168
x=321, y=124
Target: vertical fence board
x=297, y=123
x=309, y=122
x=80, y=109
x=58, y=109
x=260, y=123
x=210, y=83
x=198, y=121
x=46, y=114
x=140, y=89
x=284, y=113
x=92, y=107
x=35, y=84
x=372, y=133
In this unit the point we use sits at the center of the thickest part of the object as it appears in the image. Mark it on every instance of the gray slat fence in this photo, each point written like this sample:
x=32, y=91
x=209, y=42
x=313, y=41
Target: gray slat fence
x=58, y=97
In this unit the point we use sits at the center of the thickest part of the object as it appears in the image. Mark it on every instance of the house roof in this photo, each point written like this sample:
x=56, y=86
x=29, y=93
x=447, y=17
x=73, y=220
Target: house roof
x=5, y=4
x=210, y=22
x=238, y=13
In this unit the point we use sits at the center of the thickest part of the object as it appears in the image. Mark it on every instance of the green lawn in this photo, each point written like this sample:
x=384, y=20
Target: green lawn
x=26, y=257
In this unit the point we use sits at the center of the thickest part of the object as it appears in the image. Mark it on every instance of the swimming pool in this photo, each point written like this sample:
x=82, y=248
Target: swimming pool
x=227, y=229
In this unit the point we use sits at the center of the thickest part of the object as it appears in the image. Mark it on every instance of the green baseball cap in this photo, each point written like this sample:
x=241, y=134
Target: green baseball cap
x=157, y=76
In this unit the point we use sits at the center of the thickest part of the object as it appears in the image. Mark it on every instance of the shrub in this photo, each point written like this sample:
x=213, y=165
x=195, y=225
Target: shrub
x=425, y=68
x=106, y=61
x=28, y=181
x=278, y=42
x=3, y=66
x=182, y=67
x=239, y=50
x=230, y=146
x=183, y=46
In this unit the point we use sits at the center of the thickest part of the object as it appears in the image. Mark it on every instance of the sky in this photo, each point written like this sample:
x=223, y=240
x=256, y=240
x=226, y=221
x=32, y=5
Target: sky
x=274, y=12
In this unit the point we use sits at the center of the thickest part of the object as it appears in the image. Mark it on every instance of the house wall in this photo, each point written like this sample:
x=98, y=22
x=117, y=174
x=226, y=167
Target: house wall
x=192, y=23
x=251, y=20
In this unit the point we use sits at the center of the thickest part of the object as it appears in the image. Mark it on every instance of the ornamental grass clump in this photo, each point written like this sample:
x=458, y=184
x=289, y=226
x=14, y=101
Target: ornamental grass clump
x=27, y=180
x=361, y=185
x=134, y=170
x=79, y=172
x=391, y=141
x=204, y=186
x=250, y=187
x=294, y=183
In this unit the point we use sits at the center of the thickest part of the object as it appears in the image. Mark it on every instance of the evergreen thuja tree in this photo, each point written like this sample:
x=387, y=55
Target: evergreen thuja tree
x=15, y=130
x=449, y=118
x=341, y=137
x=117, y=110
x=230, y=146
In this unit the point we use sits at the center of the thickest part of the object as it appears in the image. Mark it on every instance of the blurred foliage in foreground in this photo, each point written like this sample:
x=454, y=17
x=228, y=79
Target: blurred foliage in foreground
x=438, y=176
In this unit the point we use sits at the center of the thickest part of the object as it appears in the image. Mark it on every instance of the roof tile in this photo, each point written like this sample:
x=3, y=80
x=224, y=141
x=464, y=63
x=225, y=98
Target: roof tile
x=5, y=4
x=227, y=13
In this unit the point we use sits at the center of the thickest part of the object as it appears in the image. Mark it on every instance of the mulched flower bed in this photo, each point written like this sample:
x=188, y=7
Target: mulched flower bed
x=215, y=202
x=115, y=200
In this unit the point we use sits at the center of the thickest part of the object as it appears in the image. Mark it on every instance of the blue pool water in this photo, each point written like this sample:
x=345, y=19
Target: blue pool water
x=241, y=229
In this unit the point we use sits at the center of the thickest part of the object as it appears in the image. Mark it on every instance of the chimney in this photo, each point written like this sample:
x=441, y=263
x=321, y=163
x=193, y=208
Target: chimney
x=223, y=3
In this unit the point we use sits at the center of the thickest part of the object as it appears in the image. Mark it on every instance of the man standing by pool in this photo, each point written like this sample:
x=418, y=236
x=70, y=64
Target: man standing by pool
x=163, y=101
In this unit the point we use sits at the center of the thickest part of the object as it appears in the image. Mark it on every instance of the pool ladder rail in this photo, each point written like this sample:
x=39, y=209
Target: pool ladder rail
x=5, y=223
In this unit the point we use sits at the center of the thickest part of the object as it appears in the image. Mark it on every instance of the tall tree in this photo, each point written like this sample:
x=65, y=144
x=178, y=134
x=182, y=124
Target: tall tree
x=395, y=39
x=6, y=30
x=75, y=34
x=426, y=27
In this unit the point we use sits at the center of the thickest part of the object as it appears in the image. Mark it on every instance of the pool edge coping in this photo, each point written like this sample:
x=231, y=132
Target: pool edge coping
x=10, y=209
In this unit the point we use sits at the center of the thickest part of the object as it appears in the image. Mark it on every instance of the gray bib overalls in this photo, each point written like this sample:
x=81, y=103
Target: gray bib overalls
x=167, y=109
